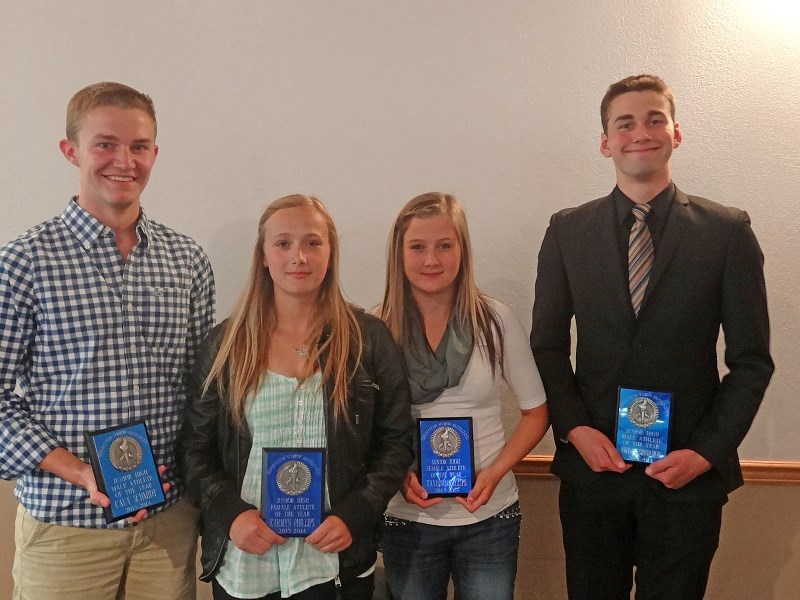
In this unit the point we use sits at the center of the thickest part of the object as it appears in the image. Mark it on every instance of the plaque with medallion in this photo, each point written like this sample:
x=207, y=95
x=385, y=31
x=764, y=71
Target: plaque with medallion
x=446, y=456
x=292, y=489
x=643, y=424
x=124, y=469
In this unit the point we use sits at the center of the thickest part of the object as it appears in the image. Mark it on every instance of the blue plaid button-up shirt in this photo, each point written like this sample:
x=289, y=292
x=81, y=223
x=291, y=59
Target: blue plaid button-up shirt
x=89, y=341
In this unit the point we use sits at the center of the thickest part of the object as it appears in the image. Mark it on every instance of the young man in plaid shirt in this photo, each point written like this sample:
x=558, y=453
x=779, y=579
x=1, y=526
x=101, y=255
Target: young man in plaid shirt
x=101, y=311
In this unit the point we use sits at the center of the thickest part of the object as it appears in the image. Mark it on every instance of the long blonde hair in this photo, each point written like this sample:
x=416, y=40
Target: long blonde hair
x=470, y=303
x=242, y=360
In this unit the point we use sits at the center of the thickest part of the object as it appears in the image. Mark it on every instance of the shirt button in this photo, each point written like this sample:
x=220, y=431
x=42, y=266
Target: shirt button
x=136, y=388
x=637, y=345
x=130, y=306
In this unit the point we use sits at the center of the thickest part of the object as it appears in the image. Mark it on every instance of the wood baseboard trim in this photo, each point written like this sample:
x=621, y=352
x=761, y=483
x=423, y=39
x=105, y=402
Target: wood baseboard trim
x=754, y=471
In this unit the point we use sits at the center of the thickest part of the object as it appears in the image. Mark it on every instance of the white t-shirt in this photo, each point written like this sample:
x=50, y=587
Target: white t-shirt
x=478, y=396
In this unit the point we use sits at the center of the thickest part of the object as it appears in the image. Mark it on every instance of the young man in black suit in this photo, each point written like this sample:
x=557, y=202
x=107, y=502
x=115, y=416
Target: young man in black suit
x=649, y=295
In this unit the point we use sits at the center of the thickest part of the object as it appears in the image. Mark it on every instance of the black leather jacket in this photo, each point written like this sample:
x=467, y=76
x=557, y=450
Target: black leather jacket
x=367, y=456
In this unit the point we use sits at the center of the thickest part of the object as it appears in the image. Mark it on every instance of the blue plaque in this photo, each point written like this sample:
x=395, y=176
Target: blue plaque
x=292, y=489
x=643, y=424
x=124, y=469
x=446, y=464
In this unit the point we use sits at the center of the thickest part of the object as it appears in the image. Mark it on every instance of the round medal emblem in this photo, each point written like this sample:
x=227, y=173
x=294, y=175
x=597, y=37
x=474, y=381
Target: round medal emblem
x=125, y=453
x=293, y=478
x=642, y=412
x=445, y=441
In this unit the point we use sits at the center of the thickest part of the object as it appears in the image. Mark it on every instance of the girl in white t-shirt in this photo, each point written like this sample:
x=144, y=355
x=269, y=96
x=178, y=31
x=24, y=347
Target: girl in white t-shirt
x=459, y=346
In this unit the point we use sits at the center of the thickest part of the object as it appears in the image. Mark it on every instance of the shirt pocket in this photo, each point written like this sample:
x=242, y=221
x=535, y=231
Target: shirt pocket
x=164, y=319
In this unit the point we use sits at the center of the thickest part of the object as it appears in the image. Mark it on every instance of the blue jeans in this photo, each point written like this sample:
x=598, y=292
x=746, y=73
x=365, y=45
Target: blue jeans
x=482, y=558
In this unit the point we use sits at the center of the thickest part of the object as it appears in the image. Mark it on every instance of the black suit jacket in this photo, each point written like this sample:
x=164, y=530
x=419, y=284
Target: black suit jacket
x=707, y=273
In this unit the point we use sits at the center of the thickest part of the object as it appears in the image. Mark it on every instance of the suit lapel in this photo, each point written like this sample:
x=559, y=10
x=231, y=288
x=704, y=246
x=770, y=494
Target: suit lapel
x=671, y=236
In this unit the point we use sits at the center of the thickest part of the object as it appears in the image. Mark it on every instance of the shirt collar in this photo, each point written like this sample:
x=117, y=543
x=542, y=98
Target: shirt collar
x=659, y=205
x=88, y=229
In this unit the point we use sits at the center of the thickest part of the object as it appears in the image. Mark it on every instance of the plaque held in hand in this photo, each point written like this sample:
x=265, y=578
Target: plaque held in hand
x=124, y=469
x=643, y=424
x=292, y=489
x=446, y=451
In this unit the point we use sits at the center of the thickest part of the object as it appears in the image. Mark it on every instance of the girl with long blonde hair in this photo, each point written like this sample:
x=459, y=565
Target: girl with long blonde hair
x=295, y=366
x=460, y=346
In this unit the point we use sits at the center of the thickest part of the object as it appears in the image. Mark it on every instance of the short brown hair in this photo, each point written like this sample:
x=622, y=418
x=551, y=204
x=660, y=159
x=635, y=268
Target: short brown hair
x=635, y=83
x=106, y=93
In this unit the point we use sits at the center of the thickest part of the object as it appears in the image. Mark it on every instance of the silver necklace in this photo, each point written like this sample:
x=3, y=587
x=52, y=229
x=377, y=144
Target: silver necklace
x=302, y=352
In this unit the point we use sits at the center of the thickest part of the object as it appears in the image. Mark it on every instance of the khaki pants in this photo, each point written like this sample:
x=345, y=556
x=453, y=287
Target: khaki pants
x=153, y=560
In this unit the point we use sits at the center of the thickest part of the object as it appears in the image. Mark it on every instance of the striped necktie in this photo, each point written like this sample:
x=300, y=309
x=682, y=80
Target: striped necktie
x=640, y=256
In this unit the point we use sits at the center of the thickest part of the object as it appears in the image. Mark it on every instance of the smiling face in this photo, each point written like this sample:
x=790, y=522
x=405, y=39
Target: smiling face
x=115, y=151
x=431, y=256
x=296, y=251
x=641, y=136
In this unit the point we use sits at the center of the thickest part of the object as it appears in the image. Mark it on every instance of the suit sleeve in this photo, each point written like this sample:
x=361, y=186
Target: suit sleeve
x=745, y=323
x=551, y=337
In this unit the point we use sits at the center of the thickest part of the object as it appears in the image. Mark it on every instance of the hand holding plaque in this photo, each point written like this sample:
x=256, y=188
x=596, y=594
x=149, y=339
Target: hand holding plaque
x=446, y=464
x=124, y=469
x=292, y=489
x=643, y=424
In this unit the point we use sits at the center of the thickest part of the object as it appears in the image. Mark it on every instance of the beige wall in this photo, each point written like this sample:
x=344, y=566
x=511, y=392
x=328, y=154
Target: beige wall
x=758, y=558
x=367, y=104
x=8, y=508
